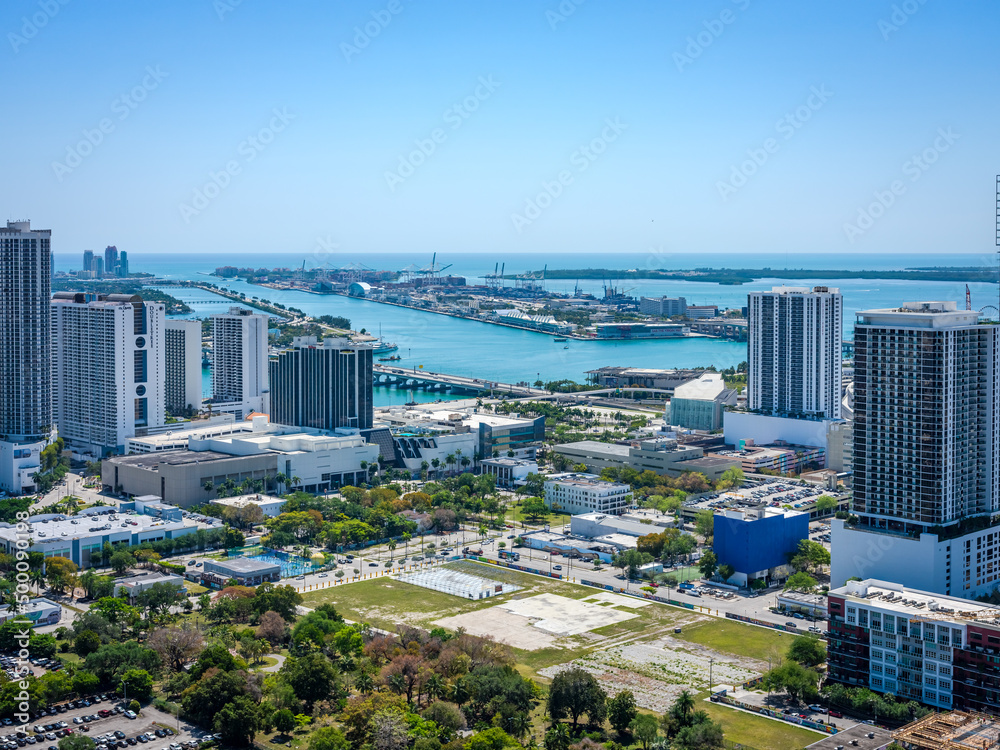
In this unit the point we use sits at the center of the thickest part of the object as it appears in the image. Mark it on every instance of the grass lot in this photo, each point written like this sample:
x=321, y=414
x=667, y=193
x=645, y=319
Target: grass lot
x=195, y=588
x=738, y=638
x=758, y=731
x=383, y=602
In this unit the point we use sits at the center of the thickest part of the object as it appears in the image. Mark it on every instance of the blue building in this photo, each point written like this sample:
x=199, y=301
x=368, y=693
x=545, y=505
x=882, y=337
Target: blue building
x=757, y=542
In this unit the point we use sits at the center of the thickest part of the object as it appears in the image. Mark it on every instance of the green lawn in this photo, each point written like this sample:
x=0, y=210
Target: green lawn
x=737, y=638
x=757, y=731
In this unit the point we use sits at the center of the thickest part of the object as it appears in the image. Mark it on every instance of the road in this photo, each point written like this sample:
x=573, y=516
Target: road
x=72, y=484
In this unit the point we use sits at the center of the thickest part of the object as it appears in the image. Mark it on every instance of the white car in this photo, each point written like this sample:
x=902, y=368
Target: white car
x=130, y=714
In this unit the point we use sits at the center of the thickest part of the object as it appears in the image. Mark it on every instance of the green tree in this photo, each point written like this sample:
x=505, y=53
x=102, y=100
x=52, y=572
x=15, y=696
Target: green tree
x=575, y=692
x=284, y=721
x=328, y=738
x=121, y=561
x=800, y=582
x=731, y=478
x=809, y=652
x=621, y=711
x=795, y=679
x=704, y=523
x=238, y=721
x=726, y=572
x=825, y=504
x=643, y=726
x=312, y=677
x=86, y=643
x=534, y=508
x=708, y=563
x=137, y=684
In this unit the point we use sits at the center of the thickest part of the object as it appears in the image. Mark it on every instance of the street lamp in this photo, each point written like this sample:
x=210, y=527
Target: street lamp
x=711, y=686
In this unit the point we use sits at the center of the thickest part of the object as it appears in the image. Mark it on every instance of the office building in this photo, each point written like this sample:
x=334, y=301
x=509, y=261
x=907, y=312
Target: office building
x=25, y=353
x=742, y=429
x=239, y=363
x=324, y=386
x=663, y=306
x=108, y=369
x=918, y=645
x=508, y=472
x=111, y=260
x=925, y=453
x=123, y=264
x=586, y=493
x=758, y=542
x=182, y=365
x=794, y=356
x=699, y=404
x=702, y=312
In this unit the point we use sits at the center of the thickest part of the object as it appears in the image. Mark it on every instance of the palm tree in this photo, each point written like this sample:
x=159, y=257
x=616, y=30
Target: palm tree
x=435, y=687
x=208, y=486
x=365, y=683
x=392, y=547
x=281, y=480
x=406, y=542
x=436, y=462
x=36, y=577
x=450, y=459
x=465, y=461
x=296, y=481
x=397, y=683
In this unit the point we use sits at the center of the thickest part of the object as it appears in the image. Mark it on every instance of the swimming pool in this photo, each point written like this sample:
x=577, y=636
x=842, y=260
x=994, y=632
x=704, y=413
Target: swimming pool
x=291, y=565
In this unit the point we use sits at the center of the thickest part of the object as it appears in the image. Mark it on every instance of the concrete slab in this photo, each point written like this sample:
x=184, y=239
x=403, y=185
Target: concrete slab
x=618, y=600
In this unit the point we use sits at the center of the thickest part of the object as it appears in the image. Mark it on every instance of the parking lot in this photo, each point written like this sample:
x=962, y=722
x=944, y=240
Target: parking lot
x=152, y=728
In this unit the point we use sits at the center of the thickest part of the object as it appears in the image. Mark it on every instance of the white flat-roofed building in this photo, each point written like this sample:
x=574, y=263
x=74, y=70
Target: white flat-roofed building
x=80, y=538
x=244, y=571
x=508, y=471
x=269, y=506
x=40, y=611
x=586, y=493
x=175, y=439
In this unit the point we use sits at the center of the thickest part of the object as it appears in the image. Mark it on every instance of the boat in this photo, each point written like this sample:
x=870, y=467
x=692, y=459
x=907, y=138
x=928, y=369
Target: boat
x=559, y=338
x=566, y=347
x=383, y=346
x=390, y=359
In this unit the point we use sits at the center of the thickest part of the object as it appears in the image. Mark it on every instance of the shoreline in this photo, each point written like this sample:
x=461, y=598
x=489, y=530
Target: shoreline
x=573, y=336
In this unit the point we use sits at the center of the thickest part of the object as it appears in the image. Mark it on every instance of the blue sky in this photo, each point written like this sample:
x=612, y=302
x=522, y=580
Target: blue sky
x=511, y=103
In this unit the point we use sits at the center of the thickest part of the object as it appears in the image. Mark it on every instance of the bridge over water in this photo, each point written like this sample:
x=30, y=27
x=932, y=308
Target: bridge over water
x=407, y=377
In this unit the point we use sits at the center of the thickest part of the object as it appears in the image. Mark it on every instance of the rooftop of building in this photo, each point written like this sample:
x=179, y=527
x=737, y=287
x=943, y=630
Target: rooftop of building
x=594, y=447
x=152, y=461
x=34, y=605
x=758, y=513
x=579, y=479
x=618, y=524
x=801, y=596
x=60, y=527
x=244, y=565
x=897, y=597
x=704, y=388
x=783, y=289
x=241, y=501
x=148, y=579
x=934, y=314
x=512, y=462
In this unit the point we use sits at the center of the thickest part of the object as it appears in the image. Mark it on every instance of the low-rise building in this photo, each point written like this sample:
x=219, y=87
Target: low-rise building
x=508, y=471
x=813, y=605
x=939, y=650
x=586, y=549
x=742, y=428
x=243, y=570
x=135, y=585
x=699, y=404
x=81, y=538
x=757, y=542
x=641, y=330
x=781, y=458
x=700, y=312
x=584, y=493
x=644, y=377
x=40, y=611
x=660, y=455
x=666, y=307
x=270, y=506
x=593, y=525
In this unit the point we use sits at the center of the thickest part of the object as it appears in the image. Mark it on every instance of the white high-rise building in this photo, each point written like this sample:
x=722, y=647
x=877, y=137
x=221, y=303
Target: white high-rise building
x=239, y=363
x=108, y=369
x=25, y=341
x=926, y=451
x=182, y=339
x=795, y=341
